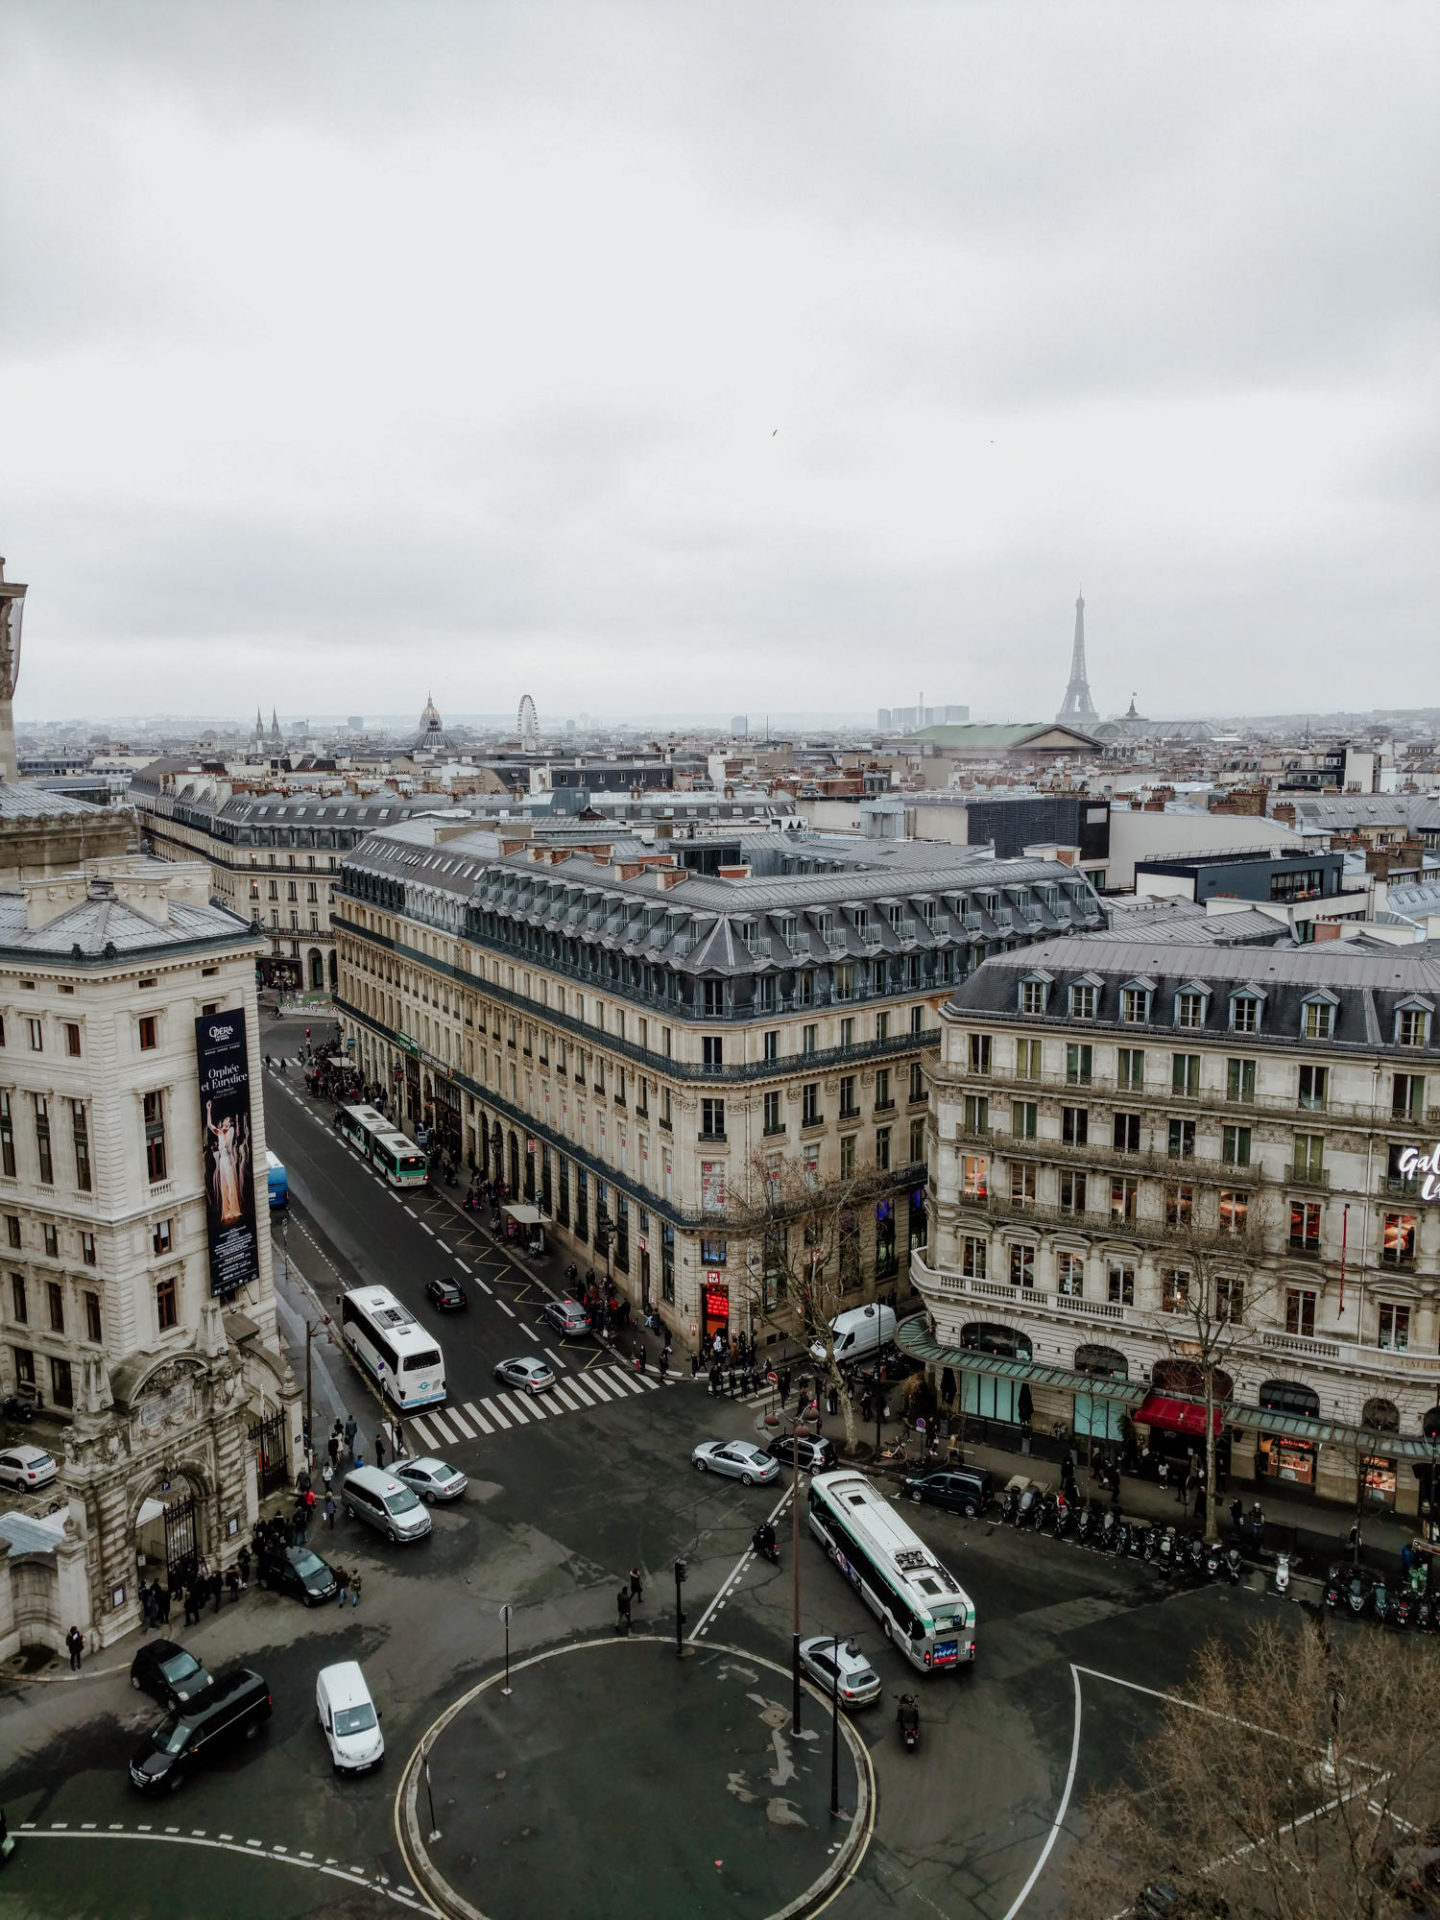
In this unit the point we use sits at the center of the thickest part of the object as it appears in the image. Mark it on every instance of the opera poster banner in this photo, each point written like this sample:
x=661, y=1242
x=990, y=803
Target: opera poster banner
x=223, y=1061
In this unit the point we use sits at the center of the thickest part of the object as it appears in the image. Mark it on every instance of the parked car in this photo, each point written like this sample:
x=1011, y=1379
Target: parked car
x=298, y=1571
x=529, y=1375
x=348, y=1718
x=858, y=1683
x=448, y=1295
x=167, y=1672
x=27, y=1468
x=967, y=1490
x=233, y=1707
x=567, y=1316
x=432, y=1479
x=741, y=1459
x=816, y=1456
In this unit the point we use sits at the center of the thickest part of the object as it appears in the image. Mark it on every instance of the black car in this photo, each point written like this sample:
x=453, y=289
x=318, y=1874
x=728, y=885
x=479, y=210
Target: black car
x=816, y=1456
x=299, y=1571
x=235, y=1706
x=167, y=1672
x=967, y=1490
x=448, y=1295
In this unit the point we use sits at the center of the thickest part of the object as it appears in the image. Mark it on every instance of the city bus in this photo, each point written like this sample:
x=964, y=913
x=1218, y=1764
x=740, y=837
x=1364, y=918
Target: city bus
x=276, y=1180
x=922, y=1607
x=382, y=1143
x=402, y=1357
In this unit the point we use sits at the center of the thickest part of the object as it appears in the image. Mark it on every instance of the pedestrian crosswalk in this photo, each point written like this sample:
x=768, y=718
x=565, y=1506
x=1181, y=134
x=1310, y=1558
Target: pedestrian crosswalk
x=572, y=1393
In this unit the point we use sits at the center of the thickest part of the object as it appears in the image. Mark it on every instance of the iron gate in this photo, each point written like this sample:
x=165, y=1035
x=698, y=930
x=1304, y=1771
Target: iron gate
x=272, y=1464
x=180, y=1544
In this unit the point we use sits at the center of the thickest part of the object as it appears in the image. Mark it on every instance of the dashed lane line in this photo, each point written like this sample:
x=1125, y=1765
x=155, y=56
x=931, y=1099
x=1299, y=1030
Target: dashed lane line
x=505, y=1307
x=404, y=1896
x=737, y=1572
x=551, y=1354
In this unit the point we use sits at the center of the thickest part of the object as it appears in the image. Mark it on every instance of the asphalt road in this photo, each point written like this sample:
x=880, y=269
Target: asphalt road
x=977, y=1824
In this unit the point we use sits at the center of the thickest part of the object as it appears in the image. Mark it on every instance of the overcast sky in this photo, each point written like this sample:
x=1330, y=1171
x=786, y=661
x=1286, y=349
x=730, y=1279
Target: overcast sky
x=719, y=357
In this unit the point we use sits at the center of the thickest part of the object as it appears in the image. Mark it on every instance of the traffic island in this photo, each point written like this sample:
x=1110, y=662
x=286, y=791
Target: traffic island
x=615, y=1780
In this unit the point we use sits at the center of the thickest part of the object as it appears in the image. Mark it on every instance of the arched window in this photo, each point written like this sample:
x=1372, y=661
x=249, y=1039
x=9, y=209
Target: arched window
x=988, y=1336
x=1381, y=1416
x=1102, y=1360
x=1288, y=1396
x=1430, y=1425
x=1187, y=1377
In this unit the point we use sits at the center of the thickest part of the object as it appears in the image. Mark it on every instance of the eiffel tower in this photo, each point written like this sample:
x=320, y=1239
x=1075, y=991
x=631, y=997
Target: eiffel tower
x=1077, y=704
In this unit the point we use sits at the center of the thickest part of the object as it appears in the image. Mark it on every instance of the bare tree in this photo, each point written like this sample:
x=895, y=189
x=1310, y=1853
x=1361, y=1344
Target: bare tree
x=1212, y=1297
x=804, y=1256
x=1298, y=1782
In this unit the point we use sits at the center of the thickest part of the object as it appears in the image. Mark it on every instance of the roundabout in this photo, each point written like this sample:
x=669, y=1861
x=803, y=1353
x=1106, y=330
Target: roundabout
x=617, y=1781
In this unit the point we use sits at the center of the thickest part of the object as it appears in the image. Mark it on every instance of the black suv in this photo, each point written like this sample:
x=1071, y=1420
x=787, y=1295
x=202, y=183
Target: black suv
x=967, y=1490
x=237, y=1704
x=448, y=1295
x=167, y=1672
x=299, y=1571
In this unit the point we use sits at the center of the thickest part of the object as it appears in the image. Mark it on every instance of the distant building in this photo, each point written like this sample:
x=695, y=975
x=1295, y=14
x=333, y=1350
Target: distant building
x=356, y=723
x=911, y=719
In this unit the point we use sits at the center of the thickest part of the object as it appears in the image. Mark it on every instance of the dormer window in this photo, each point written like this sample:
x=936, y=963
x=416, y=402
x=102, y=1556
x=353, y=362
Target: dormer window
x=1244, y=1013
x=1190, y=1008
x=1317, y=1019
x=1412, y=1026
x=1082, y=1000
x=1033, y=991
x=1135, y=1005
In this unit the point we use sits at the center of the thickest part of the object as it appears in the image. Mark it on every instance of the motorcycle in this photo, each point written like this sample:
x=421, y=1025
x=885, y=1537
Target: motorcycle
x=17, y=1406
x=1084, y=1527
x=1194, y=1555
x=1403, y=1608
x=1064, y=1514
x=1042, y=1514
x=1122, y=1540
x=907, y=1718
x=1234, y=1566
x=1214, y=1561
x=1106, y=1537
x=1029, y=1502
x=1427, y=1613
x=1010, y=1507
x=766, y=1545
x=1165, y=1553
x=1382, y=1600
x=1282, y=1573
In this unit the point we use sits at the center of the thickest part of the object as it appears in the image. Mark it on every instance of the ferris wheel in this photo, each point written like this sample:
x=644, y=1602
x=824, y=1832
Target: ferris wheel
x=527, y=724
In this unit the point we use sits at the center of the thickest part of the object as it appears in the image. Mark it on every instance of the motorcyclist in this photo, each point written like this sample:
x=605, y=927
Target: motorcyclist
x=764, y=1541
x=907, y=1715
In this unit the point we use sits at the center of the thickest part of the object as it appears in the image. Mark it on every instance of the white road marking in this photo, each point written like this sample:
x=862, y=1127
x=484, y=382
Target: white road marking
x=493, y=1409
x=505, y=1307
x=515, y=1407
x=226, y=1843
x=460, y=1263
x=474, y=1413
x=410, y=1210
x=551, y=1354
x=484, y=1288
x=581, y=1389
x=423, y=1227
x=1060, y=1811
x=564, y=1398
x=735, y=1573
x=453, y=1415
x=417, y=1425
x=440, y=1427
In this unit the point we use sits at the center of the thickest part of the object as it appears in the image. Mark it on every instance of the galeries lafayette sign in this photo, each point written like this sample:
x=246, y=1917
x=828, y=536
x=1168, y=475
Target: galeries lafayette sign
x=1424, y=1166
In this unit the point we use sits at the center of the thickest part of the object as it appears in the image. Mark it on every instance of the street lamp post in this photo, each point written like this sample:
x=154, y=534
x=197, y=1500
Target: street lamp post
x=802, y=1426
x=834, y=1726
x=679, y=1609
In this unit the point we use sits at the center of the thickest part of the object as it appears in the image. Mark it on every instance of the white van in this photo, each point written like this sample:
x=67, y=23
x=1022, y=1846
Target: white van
x=348, y=1718
x=859, y=1334
x=388, y=1504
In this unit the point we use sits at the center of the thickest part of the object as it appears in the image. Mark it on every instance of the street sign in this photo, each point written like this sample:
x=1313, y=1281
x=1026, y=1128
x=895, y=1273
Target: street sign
x=506, y=1614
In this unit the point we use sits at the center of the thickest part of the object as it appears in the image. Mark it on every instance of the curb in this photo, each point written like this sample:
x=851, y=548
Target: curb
x=446, y=1902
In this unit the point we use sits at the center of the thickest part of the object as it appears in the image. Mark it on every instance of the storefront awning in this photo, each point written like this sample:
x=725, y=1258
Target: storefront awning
x=526, y=1215
x=914, y=1335
x=1176, y=1416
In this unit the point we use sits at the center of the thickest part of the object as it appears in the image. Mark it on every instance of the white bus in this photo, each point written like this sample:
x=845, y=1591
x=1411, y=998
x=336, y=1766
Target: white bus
x=921, y=1605
x=382, y=1143
x=402, y=1357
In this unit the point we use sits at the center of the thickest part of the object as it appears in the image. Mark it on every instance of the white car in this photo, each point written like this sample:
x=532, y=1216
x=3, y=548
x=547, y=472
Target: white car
x=857, y=1685
x=348, y=1718
x=27, y=1468
x=432, y=1479
x=741, y=1459
x=529, y=1375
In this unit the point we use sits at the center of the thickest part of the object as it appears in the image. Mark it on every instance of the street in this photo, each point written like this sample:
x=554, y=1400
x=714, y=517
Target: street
x=558, y=1509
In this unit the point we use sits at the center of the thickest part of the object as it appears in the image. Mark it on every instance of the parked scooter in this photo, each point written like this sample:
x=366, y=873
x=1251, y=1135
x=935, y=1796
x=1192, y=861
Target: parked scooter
x=1084, y=1527
x=1106, y=1540
x=1063, y=1517
x=907, y=1718
x=1234, y=1565
x=1382, y=1599
x=1404, y=1605
x=1282, y=1573
x=1214, y=1560
x=1025, y=1515
x=1010, y=1507
x=1194, y=1555
x=1138, y=1543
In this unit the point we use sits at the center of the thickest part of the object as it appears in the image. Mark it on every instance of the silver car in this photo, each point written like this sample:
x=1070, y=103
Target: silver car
x=432, y=1479
x=529, y=1375
x=27, y=1468
x=857, y=1684
x=741, y=1459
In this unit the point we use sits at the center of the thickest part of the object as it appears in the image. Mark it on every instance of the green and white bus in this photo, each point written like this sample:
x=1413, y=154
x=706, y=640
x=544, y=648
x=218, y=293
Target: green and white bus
x=383, y=1145
x=922, y=1607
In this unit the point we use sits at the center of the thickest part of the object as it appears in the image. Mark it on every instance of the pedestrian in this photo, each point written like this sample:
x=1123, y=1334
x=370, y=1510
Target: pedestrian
x=664, y=1361
x=380, y=1448
x=622, y=1608
x=351, y=1428
x=330, y=1510
x=1237, y=1513
x=75, y=1641
x=342, y=1580
x=192, y=1606
x=1405, y=1558
x=354, y=1589
x=399, y=1432
x=637, y=1588
x=232, y=1580
x=327, y=1476
x=217, y=1590
x=1162, y=1475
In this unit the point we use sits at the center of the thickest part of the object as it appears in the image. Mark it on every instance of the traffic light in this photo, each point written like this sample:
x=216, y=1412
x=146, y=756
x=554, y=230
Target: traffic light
x=679, y=1573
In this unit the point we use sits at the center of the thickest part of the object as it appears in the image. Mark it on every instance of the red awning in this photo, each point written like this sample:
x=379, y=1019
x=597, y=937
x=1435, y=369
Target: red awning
x=1175, y=1416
